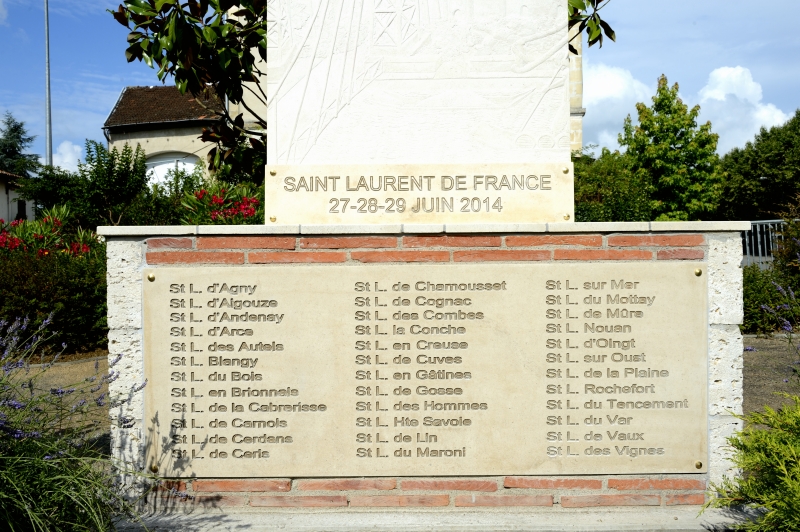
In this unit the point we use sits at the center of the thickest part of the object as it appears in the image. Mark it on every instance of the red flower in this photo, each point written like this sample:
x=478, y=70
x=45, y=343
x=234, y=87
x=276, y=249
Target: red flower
x=201, y=194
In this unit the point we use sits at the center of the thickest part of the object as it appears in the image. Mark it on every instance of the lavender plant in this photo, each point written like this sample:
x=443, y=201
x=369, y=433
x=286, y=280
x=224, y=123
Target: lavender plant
x=55, y=473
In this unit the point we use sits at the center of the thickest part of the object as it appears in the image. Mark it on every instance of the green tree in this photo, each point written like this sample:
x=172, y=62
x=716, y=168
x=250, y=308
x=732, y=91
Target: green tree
x=102, y=190
x=14, y=141
x=676, y=157
x=764, y=175
x=606, y=190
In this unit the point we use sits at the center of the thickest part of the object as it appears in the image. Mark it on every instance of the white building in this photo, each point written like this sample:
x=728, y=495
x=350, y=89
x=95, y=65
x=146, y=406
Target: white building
x=11, y=206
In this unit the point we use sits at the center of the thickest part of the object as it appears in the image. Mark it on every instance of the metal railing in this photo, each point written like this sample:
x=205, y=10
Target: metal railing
x=759, y=242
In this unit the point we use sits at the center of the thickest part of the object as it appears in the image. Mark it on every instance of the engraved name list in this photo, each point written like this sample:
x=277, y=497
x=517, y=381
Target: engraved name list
x=426, y=369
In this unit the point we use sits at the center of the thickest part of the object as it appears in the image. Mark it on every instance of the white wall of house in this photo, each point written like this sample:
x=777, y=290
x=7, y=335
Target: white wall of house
x=10, y=204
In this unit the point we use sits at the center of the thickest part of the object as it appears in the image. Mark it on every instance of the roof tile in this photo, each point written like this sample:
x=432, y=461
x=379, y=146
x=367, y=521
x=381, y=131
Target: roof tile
x=148, y=105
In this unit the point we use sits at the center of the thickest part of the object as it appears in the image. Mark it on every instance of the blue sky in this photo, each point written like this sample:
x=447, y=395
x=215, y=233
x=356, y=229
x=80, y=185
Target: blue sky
x=739, y=60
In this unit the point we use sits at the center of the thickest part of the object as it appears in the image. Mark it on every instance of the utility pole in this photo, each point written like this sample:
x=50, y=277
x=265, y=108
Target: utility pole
x=47, y=116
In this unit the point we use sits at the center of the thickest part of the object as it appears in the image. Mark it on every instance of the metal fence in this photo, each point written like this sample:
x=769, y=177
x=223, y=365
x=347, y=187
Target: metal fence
x=759, y=242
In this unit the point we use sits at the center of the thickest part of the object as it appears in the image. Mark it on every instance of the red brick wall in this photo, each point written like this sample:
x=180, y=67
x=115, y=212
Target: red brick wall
x=448, y=248
x=468, y=492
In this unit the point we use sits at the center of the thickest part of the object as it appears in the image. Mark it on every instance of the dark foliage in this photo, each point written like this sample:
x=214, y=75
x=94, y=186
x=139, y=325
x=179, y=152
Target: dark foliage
x=14, y=140
x=761, y=177
x=72, y=288
x=606, y=190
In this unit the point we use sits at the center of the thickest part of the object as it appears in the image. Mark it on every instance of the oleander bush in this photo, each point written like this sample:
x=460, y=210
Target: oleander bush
x=224, y=204
x=55, y=473
x=46, y=270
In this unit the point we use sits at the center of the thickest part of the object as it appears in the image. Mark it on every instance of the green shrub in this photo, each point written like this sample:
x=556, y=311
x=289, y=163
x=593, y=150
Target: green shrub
x=162, y=203
x=760, y=290
x=72, y=288
x=606, y=190
x=768, y=453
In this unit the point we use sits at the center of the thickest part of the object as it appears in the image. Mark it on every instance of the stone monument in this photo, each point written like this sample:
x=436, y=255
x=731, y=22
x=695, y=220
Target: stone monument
x=420, y=324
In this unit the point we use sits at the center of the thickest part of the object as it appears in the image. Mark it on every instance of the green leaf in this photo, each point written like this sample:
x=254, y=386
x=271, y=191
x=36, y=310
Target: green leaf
x=144, y=9
x=161, y=3
x=209, y=34
x=608, y=31
x=147, y=59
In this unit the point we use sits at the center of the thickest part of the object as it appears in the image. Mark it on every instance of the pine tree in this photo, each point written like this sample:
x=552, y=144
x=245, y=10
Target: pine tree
x=14, y=140
x=676, y=157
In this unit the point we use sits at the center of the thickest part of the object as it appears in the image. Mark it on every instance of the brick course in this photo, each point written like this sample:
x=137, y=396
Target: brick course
x=689, y=499
x=452, y=241
x=553, y=483
x=656, y=484
x=505, y=500
x=195, y=257
x=584, y=501
x=400, y=256
x=342, y=484
x=450, y=484
x=656, y=240
x=290, y=501
x=422, y=248
x=245, y=242
x=399, y=500
x=288, y=257
x=344, y=242
x=554, y=240
x=160, y=243
x=242, y=485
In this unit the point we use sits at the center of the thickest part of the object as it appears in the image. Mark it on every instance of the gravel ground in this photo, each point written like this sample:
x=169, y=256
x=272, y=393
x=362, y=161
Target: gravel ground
x=765, y=370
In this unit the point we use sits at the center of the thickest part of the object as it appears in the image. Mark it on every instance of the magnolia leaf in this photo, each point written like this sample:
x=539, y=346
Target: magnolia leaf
x=161, y=3
x=209, y=34
x=120, y=16
x=608, y=31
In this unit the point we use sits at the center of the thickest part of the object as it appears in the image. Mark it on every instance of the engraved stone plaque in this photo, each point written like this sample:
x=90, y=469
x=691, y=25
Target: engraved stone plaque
x=417, y=81
x=487, y=369
x=456, y=193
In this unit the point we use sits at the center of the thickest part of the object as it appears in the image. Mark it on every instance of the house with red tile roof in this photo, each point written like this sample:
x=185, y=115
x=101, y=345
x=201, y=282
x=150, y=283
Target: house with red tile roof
x=165, y=123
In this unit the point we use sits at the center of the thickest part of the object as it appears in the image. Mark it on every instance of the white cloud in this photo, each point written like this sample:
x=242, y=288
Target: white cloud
x=3, y=13
x=67, y=156
x=732, y=101
x=731, y=80
x=610, y=94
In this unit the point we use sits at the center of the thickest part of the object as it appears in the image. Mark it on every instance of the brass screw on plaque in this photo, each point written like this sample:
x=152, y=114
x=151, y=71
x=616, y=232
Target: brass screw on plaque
x=154, y=468
x=566, y=216
x=273, y=219
x=151, y=277
x=698, y=272
x=565, y=170
x=273, y=173
x=698, y=464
